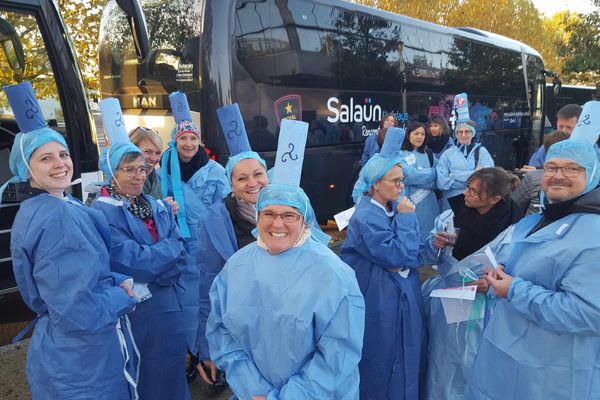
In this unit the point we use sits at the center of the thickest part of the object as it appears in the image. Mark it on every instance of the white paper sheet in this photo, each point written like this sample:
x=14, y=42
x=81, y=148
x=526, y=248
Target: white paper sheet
x=141, y=292
x=404, y=273
x=457, y=303
x=343, y=219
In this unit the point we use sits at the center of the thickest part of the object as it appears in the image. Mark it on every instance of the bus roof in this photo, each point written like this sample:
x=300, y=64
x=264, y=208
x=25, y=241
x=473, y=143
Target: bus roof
x=474, y=34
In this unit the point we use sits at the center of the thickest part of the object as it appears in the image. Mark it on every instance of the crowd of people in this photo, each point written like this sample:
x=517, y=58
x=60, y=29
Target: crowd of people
x=177, y=254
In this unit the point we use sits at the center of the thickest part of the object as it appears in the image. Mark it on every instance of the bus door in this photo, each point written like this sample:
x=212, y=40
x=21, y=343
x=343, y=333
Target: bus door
x=33, y=48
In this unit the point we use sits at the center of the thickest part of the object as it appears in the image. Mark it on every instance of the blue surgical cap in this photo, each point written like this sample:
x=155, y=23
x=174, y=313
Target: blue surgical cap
x=233, y=160
x=583, y=154
x=371, y=172
x=24, y=146
x=291, y=195
x=284, y=195
x=112, y=155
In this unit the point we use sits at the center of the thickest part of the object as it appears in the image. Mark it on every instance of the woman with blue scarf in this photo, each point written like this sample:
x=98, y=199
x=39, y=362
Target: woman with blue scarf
x=195, y=182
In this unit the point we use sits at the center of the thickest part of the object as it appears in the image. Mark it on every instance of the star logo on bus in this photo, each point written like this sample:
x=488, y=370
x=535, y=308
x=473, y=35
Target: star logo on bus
x=288, y=106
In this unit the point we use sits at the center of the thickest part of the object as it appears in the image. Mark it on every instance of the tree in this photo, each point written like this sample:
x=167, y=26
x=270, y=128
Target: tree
x=580, y=48
x=82, y=18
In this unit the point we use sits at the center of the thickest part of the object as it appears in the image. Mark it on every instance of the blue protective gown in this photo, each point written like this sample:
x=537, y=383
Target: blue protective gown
x=454, y=169
x=452, y=348
x=371, y=148
x=60, y=259
x=157, y=323
x=543, y=341
x=217, y=241
x=206, y=187
x=289, y=326
x=394, y=334
x=419, y=185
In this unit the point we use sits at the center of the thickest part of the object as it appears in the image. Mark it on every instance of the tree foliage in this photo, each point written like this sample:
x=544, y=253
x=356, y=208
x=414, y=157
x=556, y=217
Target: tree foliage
x=82, y=18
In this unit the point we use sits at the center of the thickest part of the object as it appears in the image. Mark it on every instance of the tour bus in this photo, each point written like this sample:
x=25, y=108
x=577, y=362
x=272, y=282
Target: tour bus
x=36, y=47
x=338, y=66
x=568, y=94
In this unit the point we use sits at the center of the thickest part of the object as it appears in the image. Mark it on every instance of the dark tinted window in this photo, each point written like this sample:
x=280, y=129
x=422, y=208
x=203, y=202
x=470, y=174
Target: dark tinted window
x=370, y=53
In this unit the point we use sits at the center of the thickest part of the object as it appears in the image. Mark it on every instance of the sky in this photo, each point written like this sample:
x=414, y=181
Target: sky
x=550, y=7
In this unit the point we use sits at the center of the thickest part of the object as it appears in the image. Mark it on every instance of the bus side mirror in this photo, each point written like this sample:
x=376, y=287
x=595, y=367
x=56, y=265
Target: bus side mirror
x=11, y=45
x=137, y=23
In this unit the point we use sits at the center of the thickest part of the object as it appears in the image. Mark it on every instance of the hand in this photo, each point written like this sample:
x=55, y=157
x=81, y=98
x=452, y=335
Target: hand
x=482, y=285
x=440, y=240
x=259, y=398
x=126, y=286
x=499, y=280
x=174, y=205
x=213, y=371
x=405, y=206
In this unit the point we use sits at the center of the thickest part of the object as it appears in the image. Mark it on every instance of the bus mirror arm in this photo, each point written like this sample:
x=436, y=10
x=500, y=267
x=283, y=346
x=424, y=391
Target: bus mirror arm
x=556, y=83
x=137, y=23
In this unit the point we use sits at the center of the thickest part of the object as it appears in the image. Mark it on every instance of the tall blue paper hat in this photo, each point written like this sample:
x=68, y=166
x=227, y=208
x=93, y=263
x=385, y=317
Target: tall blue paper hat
x=34, y=132
x=180, y=107
x=112, y=121
x=461, y=105
x=233, y=129
x=118, y=139
x=235, y=134
x=392, y=143
x=290, y=152
x=588, y=125
x=25, y=106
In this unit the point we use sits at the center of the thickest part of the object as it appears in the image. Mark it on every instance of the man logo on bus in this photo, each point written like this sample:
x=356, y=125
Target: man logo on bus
x=288, y=107
x=353, y=112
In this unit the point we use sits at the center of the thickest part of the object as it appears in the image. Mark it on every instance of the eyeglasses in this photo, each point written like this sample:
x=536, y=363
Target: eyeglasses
x=133, y=171
x=287, y=217
x=472, y=192
x=569, y=172
x=397, y=182
x=464, y=132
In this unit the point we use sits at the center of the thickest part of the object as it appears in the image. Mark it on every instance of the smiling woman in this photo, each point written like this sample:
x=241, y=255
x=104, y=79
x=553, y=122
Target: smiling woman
x=51, y=168
x=147, y=245
x=79, y=305
x=287, y=316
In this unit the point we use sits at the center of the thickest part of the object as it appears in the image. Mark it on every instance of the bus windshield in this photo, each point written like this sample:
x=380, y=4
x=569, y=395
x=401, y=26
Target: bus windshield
x=174, y=37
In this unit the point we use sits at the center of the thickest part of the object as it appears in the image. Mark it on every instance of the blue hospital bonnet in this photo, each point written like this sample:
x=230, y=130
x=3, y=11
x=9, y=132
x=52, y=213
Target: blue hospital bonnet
x=371, y=172
x=34, y=132
x=114, y=126
x=583, y=154
x=285, y=195
x=233, y=160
